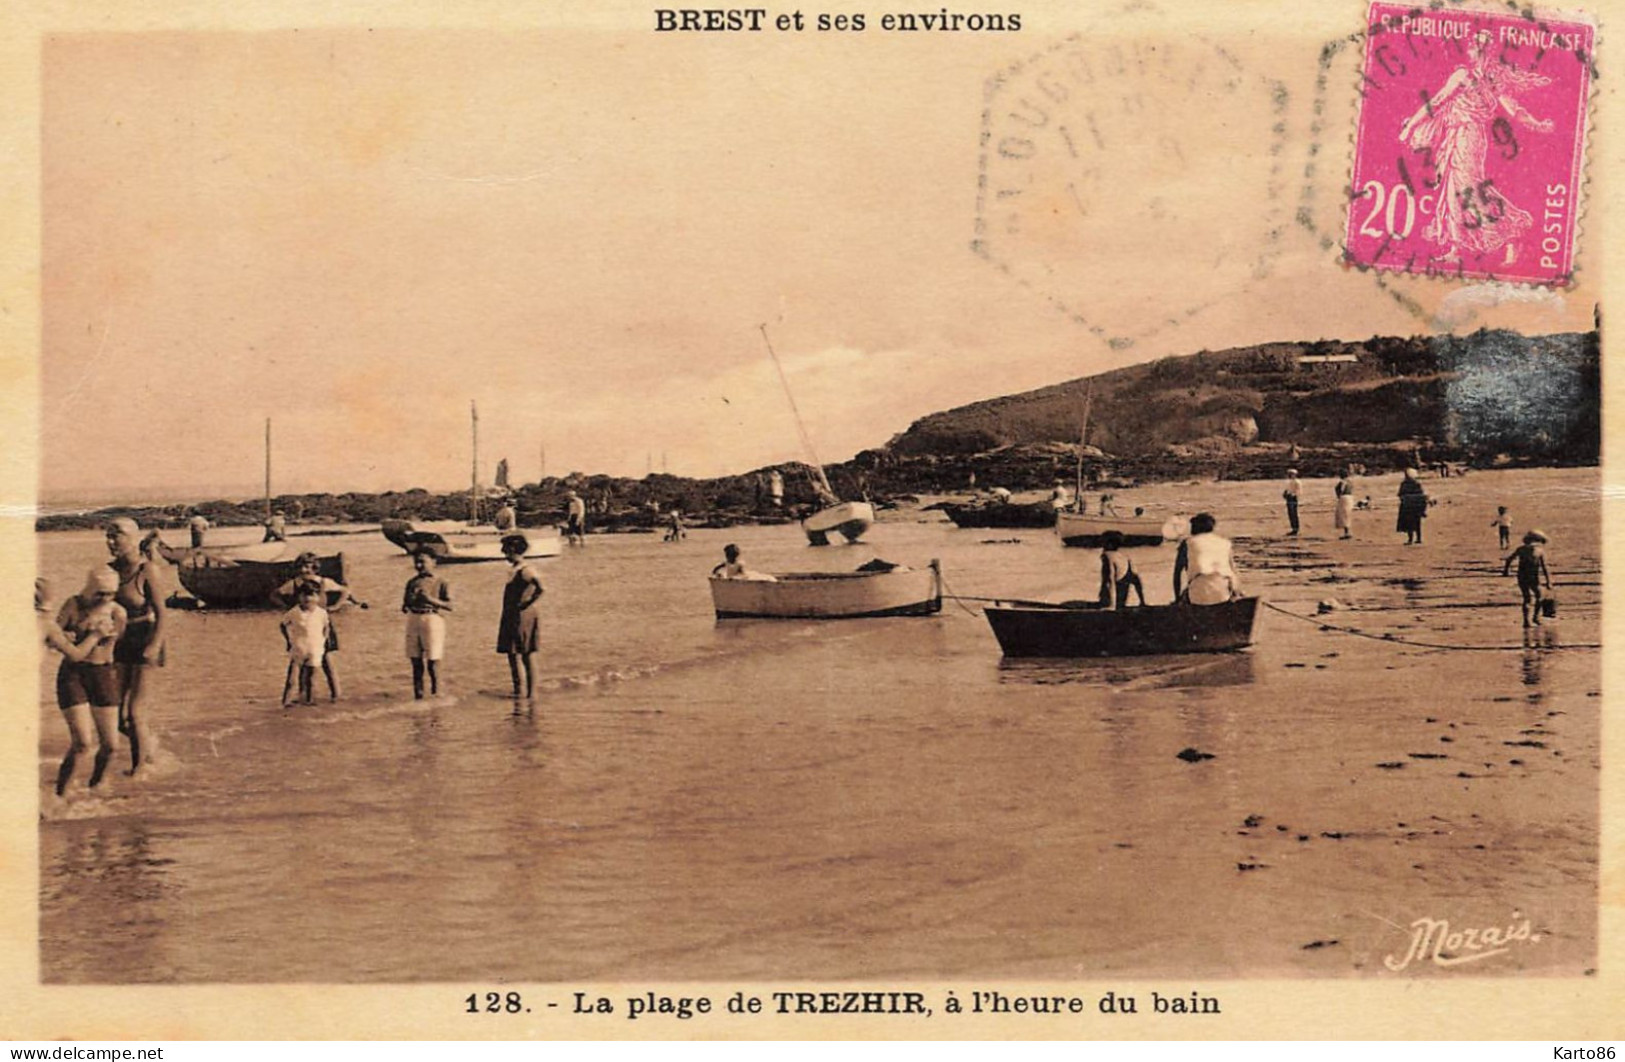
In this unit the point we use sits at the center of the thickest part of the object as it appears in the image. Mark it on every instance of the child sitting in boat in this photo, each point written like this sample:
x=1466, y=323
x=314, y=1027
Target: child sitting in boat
x=1117, y=574
x=733, y=568
x=304, y=630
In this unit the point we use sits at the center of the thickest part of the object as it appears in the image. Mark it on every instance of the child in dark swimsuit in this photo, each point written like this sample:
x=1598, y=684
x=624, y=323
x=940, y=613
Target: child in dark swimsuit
x=1532, y=573
x=1117, y=574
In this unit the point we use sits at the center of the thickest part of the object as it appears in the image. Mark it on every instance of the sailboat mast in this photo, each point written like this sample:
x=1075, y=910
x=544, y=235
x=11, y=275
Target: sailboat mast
x=1083, y=440
x=474, y=478
x=268, y=468
x=801, y=428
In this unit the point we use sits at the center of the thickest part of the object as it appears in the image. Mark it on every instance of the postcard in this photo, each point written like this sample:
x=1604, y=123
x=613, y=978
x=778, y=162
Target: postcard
x=998, y=520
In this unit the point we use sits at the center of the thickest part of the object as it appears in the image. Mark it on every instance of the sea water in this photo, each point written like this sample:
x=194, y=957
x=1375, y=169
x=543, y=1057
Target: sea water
x=701, y=800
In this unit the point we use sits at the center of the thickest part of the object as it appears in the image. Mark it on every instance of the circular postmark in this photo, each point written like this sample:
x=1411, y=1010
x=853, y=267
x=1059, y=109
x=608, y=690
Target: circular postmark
x=1110, y=167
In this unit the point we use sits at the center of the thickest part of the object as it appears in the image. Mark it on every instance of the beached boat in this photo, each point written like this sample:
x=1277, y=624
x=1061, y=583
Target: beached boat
x=1001, y=514
x=467, y=544
x=1085, y=629
x=1086, y=529
x=243, y=577
x=847, y=519
x=830, y=595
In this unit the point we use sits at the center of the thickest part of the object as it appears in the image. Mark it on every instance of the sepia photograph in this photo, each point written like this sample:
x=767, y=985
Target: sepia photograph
x=1001, y=519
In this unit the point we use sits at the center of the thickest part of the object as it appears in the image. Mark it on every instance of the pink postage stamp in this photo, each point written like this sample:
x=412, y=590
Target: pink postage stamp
x=1469, y=152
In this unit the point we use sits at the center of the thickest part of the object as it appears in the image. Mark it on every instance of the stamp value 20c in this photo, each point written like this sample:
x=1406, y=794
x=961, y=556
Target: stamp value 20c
x=1469, y=154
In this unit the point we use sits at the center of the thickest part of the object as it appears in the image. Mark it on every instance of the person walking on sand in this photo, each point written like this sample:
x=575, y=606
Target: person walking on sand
x=1117, y=574
x=427, y=596
x=1290, y=496
x=1207, y=556
x=141, y=650
x=333, y=596
x=575, y=527
x=519, y=631
x=1413, y=508
x=304, y=631
x=1532, y=573
x=1503, y=525
x=1343, y=510
x=86, y=630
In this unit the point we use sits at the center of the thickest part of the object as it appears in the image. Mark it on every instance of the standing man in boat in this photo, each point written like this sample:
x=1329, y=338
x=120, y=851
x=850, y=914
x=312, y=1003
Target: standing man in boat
x=198, y=524
x=1206, y=556
x=1290, y=495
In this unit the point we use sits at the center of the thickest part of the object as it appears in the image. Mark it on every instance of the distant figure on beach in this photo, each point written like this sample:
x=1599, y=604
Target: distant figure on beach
x=1503, y=524
x=276, y=528
x=1343, y=508
x=1413, y=507
x=140, y=651
x=1532, y=573
x=334, y=596
x=1059, y=497
x=775, y=488
x=732, y=567
x=1207, y=556
x=198, y=524
x=519, y=632
x=575, y=521
x=505, y=519
x=427, y=596
x=1106, y=506
x=676, y=532
x=304, y=632
x=1117, y=574
x=85, y=632
x=1290, y=496
x=160, y=571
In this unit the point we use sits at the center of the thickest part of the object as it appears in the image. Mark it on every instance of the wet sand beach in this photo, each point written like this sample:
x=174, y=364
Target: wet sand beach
x=887, y=798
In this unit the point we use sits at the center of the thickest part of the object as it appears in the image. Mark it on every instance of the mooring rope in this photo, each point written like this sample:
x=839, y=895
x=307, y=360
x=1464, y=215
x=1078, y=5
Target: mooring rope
x=1394, y=639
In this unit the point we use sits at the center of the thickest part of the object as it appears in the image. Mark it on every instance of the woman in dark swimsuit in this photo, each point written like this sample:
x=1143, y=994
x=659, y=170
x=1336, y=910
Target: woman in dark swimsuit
x=519, y=630
x=141, y=650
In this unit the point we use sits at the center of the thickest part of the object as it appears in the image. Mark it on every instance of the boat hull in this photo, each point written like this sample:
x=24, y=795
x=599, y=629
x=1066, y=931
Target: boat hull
x=1036, y=514
x=836, y=595
x=848, y=519
x=469, y=545
x=244, y=580
x=1081, y=529
x=1095, y=632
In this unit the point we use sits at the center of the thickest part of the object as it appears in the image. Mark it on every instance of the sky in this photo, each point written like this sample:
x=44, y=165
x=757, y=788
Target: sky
x=355, y=232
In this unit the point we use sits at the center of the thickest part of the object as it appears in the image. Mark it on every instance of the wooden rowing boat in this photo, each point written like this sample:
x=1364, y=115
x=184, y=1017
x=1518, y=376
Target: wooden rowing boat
x=830, y=595
x=243, y=577
x=1086, y=629
x=1001, y=514
x=1086, y=529
x=468, y=544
